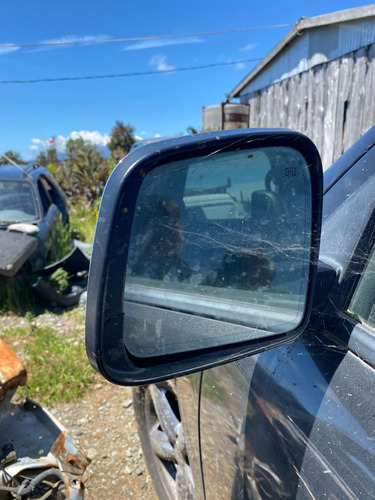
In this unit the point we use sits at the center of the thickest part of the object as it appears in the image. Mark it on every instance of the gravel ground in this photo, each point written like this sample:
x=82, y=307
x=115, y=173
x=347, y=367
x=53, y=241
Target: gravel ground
x=102, y=422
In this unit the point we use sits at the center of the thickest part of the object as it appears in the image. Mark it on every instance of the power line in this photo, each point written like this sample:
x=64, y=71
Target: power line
x=123, y=75
x=140, y=38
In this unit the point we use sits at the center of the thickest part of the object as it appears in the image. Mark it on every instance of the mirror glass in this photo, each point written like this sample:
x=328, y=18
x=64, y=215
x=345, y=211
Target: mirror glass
x=224, y=237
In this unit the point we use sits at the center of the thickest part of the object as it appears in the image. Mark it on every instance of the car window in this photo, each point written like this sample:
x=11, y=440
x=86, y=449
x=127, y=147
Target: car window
x=44, y=195
x=17, y=202
x=52, y=192
x=362, y=305
x=347, y=208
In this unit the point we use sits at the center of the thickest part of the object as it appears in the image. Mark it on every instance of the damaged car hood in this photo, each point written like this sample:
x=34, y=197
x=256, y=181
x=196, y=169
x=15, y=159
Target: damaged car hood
x=15, y=249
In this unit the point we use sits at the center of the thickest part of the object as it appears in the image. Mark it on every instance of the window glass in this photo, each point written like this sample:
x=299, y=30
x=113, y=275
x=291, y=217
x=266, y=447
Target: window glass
x=347, y=207
x=44, y=196
x=53, y=195
x=213, y=235
x=362, y=304
x=17, y=202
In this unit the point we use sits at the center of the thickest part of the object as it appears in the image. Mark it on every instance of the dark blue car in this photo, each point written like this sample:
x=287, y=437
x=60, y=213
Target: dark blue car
x=250, y=333
x=31, y=207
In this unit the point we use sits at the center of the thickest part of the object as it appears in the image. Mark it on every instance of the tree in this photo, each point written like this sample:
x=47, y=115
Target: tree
x=48, y=157
x=85, y=171
x=41, y=159
x=121, y=141
x=14, y=156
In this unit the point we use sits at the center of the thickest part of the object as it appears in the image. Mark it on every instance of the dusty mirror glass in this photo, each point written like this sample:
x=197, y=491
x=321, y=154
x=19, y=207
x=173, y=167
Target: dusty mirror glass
x=226, y=237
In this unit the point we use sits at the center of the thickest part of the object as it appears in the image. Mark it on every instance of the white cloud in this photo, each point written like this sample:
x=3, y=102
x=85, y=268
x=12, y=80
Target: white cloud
x=240, y=65
x=151, y=44
x=93, y=137
x=7, y=50
x=159, y=61
x=59, y=144
x=143, y=132
x=248, y=47
x=138, y=138
x=68, y=38
x=157, y=135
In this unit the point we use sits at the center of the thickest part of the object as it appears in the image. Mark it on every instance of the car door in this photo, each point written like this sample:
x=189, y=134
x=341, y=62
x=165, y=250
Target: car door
x=51, y=216
x=58, y=197
x=297, y=421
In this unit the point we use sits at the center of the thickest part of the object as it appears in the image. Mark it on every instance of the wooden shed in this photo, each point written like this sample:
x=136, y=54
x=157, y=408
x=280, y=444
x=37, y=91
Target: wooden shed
x=320, y=80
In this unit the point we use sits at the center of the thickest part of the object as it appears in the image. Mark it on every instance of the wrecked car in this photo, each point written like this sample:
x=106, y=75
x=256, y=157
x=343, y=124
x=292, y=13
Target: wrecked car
x=31, y=206
x=250, y=334
x=33, y=218
x=38, y=458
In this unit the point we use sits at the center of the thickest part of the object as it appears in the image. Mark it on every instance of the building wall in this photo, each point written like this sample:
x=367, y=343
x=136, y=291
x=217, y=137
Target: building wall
x=315, y=46
x=332, y=103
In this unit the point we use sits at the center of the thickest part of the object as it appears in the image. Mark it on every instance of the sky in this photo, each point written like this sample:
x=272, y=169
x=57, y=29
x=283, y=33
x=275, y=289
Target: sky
x=161, y=104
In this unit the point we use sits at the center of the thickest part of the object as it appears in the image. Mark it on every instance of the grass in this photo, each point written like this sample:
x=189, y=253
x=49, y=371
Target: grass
x=13, y=333
x=60, y=242
x=83, y=220
x=17, y=296
x=58, y=369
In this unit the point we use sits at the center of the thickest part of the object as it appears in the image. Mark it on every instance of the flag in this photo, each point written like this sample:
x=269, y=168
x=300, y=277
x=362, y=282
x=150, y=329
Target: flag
x=51, y=141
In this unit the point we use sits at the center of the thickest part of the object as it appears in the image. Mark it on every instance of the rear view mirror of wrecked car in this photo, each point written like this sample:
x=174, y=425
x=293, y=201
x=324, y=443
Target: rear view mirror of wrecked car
x=205, y=251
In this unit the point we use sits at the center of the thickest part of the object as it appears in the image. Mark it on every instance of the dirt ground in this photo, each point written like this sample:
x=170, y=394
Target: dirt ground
x=102, y=423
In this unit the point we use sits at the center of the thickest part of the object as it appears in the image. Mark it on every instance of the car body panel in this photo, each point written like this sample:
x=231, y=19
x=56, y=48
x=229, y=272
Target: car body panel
x=46, y=228
x=15, y=249
x=303, y=431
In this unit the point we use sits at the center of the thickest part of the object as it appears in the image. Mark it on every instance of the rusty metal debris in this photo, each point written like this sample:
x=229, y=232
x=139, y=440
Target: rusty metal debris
x=12, y=371
x=38, y=458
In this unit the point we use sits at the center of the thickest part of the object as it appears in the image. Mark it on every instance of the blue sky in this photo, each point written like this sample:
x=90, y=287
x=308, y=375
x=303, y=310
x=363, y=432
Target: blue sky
x=164, y=104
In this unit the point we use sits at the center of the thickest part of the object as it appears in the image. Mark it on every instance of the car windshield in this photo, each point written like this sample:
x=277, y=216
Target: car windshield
x=17, y=202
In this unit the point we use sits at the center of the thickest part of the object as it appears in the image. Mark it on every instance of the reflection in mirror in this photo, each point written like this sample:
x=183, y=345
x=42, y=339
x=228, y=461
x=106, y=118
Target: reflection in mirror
x=226, y=237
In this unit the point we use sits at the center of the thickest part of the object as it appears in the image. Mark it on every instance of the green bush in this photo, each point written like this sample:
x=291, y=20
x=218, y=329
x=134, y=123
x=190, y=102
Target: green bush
x=60, y=243
x=83, y=219
x=59, y=279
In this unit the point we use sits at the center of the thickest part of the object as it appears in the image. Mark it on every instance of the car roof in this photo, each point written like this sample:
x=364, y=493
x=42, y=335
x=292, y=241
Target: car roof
x=348, y=159
x=21, y=172
x=10, y=172
x=144, y=142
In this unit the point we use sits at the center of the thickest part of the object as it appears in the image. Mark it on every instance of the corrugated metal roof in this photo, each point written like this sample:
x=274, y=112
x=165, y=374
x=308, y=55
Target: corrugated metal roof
x=305, y=44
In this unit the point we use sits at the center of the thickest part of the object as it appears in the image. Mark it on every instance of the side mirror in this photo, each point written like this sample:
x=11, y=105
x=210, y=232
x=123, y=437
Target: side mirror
x=205, y=251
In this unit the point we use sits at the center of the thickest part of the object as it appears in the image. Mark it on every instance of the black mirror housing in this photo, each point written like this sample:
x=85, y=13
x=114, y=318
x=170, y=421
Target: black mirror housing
x=128, y=358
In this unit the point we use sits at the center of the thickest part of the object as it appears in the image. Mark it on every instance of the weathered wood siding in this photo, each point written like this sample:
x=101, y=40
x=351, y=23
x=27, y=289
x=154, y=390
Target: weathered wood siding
x=333, y=103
